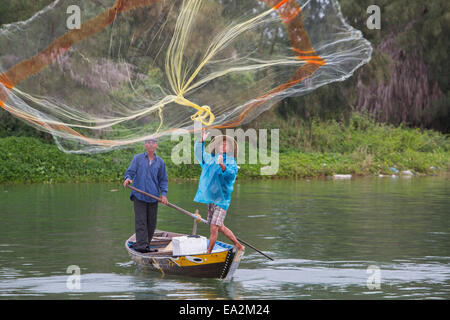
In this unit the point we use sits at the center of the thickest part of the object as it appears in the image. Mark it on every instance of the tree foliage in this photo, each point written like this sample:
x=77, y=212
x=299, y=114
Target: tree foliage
x=406, y=81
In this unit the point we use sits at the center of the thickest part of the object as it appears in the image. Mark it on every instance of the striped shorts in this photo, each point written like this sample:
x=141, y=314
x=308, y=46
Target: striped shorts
x=216, y=215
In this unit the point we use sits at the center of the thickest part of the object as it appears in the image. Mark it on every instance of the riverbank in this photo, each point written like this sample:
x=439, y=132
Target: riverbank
x=317, y=149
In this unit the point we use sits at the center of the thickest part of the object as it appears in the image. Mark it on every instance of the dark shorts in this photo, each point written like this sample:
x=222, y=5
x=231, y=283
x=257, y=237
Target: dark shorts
x=216, y=215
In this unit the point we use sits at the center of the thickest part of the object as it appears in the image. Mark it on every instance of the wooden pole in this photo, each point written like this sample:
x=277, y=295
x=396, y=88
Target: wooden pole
x=193, y=216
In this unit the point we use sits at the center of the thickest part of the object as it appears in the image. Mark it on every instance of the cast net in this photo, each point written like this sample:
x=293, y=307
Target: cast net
x=134, y=69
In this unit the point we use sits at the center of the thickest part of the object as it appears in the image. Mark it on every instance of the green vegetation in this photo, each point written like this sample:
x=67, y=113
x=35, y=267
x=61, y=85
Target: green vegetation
x=360, y=147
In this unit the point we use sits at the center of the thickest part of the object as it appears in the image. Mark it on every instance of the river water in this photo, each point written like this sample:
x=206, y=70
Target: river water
x=365, y=238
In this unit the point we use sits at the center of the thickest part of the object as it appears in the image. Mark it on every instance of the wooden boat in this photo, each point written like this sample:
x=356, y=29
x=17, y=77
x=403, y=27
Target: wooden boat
x=221, y=263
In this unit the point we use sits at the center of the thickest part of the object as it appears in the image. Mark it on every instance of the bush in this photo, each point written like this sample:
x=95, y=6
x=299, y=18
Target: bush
x=362, y=147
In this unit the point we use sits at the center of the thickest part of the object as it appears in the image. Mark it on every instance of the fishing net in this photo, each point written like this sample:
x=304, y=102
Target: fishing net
x=140, y=68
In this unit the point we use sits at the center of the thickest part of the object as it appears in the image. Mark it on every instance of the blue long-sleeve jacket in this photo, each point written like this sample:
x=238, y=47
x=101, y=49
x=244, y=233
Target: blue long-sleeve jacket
x=215, y=185
x=151, y=178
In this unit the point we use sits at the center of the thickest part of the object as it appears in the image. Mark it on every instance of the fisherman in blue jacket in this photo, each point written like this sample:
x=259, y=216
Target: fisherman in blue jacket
x=148, y=173
x=219, y=171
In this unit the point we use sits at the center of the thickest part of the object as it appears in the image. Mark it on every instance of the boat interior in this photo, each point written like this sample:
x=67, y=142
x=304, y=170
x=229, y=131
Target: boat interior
x=162, y=241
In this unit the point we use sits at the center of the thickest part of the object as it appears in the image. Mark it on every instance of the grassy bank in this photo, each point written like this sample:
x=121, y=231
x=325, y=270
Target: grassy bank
x=359, y=147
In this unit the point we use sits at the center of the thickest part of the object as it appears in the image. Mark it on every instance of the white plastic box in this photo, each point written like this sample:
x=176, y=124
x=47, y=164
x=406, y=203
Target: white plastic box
x=187, y=245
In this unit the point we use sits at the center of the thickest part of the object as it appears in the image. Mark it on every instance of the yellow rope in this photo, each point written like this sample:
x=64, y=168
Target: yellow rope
x=157, y=266
x=177, y=74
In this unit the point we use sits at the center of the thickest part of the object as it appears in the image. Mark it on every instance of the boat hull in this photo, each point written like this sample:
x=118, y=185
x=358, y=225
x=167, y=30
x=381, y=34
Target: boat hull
x=213, y=265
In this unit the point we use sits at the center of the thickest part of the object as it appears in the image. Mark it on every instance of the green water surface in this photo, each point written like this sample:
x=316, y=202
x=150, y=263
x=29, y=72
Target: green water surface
x=365, y=238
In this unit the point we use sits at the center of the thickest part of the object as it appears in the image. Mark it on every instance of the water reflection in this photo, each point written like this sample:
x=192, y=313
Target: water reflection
x=323, y=236
x=282, y=279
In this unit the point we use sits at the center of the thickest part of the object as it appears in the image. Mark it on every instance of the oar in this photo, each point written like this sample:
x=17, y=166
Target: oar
x=194, y=217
